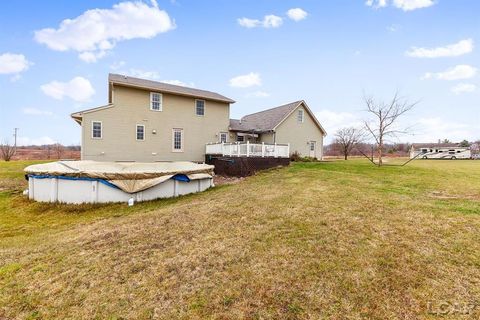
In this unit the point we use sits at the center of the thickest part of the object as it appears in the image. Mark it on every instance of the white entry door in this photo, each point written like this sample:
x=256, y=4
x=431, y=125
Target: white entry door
x=313, y=146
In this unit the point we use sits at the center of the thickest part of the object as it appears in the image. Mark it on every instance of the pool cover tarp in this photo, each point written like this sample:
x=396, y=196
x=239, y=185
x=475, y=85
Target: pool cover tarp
x=130, y=177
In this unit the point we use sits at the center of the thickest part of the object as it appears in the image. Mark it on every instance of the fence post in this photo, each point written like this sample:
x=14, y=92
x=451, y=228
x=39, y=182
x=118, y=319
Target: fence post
x=263, y=149
x=248, y=148
x=288, y=150
x=275, y=150
x=238, y=149
x=222, y=148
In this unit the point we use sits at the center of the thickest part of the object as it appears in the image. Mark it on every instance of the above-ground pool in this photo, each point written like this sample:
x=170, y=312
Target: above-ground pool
x=100, y=182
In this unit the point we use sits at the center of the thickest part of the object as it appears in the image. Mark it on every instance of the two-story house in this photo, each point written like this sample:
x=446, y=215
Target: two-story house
x=150, y=121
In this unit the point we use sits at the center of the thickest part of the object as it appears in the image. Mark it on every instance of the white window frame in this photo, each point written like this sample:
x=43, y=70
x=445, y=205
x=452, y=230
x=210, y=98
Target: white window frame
x=220, y=137
x=302, y=118
x=160, y=101
x=136, y=132
x=240, y=138
x=101, y=130
x=174, y=130
x=204, y=107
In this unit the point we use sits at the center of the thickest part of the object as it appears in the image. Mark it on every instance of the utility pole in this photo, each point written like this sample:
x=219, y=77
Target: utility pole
x=15, y=135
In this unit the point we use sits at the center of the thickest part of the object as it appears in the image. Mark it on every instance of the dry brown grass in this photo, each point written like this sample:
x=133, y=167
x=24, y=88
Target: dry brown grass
x=339, y=240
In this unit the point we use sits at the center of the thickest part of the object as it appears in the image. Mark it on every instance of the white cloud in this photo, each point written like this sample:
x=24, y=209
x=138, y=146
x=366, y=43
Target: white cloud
x=249, y=23
x=117, y=65
x=179, y=83
x=144, y=74
x=78, y=89
x=11, y=63
x=405, y=5
x=272, y=21
x=97, y=31
x=408, y=5
x=247, y=80
x=432, y=129
x=297, y=14
x=463, y=88
x=333, y=121
x=452, y=50
x=36, y=112
x=269, y=21
x=376, y=3
x=458, y=72
x=153, y=75
x=394, y=27
x=258, y=94
x=26, y=141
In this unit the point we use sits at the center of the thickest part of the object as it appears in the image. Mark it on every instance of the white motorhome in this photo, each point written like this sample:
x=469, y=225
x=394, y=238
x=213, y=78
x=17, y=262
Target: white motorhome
x=439, y=151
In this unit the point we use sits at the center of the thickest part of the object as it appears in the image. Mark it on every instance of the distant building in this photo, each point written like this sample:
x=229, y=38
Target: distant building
x=439, y=151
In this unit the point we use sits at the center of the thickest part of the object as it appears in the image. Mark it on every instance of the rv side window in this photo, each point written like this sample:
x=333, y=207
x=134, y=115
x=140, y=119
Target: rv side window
x=424, y=150
x=458, y=151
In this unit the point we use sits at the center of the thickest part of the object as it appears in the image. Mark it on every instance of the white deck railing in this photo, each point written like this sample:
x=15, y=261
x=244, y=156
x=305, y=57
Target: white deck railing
x=247, y=149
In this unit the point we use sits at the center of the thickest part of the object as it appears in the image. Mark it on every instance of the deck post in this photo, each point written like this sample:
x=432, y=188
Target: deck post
x=275, y=150
x=222, y=148
x=238, y=149
x=248, y=148
x=288, y=149
x=263, y=149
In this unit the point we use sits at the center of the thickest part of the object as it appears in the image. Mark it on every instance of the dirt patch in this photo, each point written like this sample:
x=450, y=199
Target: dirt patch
x=221, y=180
x=445, y=196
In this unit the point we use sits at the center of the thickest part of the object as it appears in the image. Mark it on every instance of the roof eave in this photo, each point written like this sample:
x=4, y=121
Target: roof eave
x=226, y=100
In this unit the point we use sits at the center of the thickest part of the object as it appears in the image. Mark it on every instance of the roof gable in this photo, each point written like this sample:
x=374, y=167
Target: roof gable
x=166, y=88
x=270, y=119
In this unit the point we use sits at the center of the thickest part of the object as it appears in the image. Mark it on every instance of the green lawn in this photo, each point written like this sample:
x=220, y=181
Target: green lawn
x=339, y=240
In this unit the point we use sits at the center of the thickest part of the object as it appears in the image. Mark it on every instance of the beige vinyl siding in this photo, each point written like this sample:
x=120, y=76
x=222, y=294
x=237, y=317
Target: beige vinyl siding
x=132, y=107
x=299, y=134
x=267, y=138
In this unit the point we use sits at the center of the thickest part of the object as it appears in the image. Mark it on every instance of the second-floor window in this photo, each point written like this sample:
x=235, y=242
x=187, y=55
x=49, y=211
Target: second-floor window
x=140, y=133
x=96, y=129
x=300, y=116
x=155, y=101
x=200, y=107
x=240, y=138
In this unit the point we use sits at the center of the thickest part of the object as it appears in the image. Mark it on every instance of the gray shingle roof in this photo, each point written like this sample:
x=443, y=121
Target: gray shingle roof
x=166, y=87
x=265, y=120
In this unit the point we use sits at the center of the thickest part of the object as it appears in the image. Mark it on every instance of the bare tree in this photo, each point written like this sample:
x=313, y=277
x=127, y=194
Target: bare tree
x=58, y=149
x=7, y=151
x=346, y=139
x=384, y=117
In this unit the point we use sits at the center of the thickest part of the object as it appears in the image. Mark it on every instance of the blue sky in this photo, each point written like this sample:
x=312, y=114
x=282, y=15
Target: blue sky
x=326, y=52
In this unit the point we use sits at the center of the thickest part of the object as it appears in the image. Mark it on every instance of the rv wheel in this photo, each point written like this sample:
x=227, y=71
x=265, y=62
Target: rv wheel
x=454, y=158
x=424, y=157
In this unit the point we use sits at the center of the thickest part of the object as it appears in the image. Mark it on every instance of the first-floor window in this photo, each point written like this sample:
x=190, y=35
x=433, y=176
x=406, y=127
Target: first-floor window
x=96, y=129
x=140, y=132
x=240, y=138
x=177, y=142
x=223, y=137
